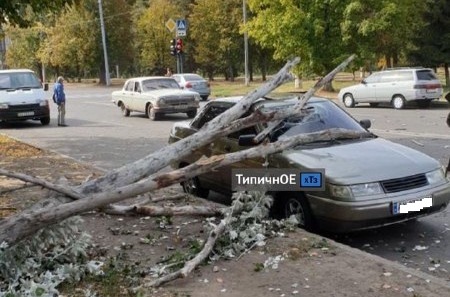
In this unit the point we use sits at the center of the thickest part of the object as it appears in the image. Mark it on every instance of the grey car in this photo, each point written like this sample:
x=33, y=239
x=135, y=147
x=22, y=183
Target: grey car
x=396, y=87
x=368, y=180
x=194, y=82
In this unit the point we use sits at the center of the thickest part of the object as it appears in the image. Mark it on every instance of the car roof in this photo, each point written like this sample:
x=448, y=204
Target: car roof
x=15, y=70
x=141, y=78
x=266, y=101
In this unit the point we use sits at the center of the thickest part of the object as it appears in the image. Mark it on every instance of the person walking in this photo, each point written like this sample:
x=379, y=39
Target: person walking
x=60, y=99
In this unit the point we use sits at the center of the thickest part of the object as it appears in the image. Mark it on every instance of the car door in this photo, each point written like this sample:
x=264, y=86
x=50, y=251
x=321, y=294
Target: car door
x=137, y=101
x=366, y=91
x=124, y=95
x=211, y=180
x=387, y=86
x=230, y=144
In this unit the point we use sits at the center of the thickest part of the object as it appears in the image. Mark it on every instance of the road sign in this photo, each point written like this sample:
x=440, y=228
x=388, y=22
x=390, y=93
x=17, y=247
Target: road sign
x=181, y=27
x=170, y=24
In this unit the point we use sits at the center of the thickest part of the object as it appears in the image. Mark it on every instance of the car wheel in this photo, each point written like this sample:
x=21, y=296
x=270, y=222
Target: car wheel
x=349, y=101
x=192, y=186
x=152, y=115
x=398, y=102
x=287, y=204
x=191, y=113
x=204, y=98
x=125, y=111
x=374, y=104
x=45, y=121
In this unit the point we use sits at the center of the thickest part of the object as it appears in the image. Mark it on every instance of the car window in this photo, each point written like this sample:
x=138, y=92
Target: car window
x=388, y=77
x=193, y=77
x=156, y=84
x=130, y=86
x=373, y=78
x=404, y=75
x=137, y=87
x=19, y=80
x=210, y=113
x=425, y=74
x=321, y=116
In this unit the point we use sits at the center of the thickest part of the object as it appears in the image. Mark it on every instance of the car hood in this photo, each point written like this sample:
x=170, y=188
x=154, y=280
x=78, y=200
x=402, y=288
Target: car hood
x=364, y=161
x=170, y=92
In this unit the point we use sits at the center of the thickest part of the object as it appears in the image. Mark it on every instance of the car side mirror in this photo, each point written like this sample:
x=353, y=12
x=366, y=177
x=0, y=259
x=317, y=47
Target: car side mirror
x=46, y=87
x=366, y=124
x=363, y=82
x=247, y=140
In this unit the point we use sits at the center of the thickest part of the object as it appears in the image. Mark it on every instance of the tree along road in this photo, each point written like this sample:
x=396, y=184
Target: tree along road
x=100, y=135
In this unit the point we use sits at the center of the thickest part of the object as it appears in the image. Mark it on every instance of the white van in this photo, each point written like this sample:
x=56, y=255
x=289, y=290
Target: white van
x=22, y=97
x=395, y=87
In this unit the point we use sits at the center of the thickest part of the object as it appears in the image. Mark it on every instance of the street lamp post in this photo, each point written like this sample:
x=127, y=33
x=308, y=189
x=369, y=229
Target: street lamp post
x=244, y=11
x=105, y=53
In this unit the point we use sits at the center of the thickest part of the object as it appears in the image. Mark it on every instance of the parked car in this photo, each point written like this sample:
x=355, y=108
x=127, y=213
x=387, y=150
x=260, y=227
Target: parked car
x=155, y=96
x=22, y=97
x=367, y=178
x=396, y=87
x=194, y=82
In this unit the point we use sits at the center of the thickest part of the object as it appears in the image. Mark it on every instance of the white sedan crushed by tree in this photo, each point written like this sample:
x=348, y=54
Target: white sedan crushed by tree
x=155, y=96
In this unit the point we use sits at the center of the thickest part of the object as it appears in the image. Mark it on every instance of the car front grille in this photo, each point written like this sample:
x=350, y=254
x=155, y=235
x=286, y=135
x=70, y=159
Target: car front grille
x=23, y=107
x=178, y=100
x=404, y=183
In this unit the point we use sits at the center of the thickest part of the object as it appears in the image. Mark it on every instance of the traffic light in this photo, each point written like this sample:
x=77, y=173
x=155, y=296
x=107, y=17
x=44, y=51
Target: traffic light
x=179, y=45
x=173, y=47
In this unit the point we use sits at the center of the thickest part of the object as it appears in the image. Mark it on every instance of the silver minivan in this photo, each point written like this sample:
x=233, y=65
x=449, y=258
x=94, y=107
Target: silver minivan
x=396, y=87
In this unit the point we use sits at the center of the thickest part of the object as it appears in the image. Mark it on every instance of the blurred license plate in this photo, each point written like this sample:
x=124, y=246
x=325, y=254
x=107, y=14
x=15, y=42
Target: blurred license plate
x=431, y=90
x=411, y=205
x=180, y=106
x=25, y=114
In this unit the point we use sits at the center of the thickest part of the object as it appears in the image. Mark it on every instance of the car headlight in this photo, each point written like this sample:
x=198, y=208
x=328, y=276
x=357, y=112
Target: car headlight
x=436, y=177
x=359, y=190
x=161, y=101
x=43, y=102
x=4, y=106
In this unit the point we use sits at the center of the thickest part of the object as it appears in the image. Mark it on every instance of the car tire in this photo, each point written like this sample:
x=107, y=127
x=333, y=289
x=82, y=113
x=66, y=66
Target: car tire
x=45, y=121
x=398, y=102
x=192, y=186
x=348, y=100
x=294, y=203
x=204, y=98
x=191, y=113
x=152, y=115
x=125, y=111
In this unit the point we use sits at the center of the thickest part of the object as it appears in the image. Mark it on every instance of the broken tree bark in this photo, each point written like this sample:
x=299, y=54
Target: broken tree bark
x=121, y=183
x=27, y=223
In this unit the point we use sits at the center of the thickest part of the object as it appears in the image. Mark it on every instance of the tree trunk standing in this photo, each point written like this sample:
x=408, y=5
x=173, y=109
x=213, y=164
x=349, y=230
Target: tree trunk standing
x=447, y=75
x=328, y=87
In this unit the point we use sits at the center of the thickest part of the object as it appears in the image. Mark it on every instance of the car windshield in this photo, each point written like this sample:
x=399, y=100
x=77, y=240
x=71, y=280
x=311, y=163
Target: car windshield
x=319, y=116
x=192, y=77
x=19, y=80
x=156, y=84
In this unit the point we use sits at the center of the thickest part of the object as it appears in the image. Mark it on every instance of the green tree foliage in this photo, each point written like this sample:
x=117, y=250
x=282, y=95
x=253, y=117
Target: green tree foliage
x=13, y=11
x=71, y=45
x=432, y=44
x=382, y=29
x=305, y=28
x=153, y=38
x=118, y=17
x=214, y=27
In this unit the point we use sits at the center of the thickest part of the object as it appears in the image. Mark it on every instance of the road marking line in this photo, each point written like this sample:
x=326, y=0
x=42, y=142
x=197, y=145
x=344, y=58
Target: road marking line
x=411, y=134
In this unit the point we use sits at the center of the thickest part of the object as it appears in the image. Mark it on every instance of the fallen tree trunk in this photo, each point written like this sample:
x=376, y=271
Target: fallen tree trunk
x=20, y=226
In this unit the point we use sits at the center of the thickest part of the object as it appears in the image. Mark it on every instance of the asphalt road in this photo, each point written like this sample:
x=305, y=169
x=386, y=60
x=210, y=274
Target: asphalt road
x=99, y=135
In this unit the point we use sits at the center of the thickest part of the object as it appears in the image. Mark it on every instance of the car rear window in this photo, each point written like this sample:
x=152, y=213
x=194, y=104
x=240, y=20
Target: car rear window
x=192, y=77
x=426, y=75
